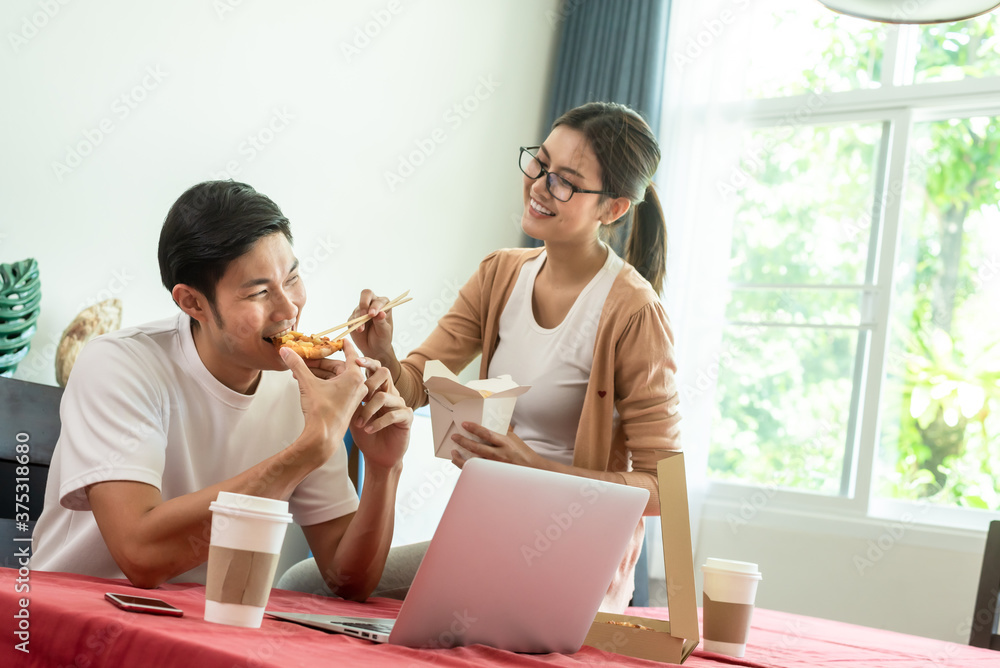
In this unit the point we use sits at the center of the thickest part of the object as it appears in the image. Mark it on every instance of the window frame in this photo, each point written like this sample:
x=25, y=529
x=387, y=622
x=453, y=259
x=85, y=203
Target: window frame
x=898, y=106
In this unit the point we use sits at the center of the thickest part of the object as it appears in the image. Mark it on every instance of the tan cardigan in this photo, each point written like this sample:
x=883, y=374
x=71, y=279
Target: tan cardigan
x=633, y=370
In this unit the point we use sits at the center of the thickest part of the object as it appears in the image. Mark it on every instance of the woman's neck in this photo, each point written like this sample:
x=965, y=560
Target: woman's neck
x=571, y=265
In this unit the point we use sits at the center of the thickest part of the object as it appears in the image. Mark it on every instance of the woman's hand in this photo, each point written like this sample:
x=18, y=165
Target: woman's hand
x=381, y=425
x=374, y=338
x=498, y=447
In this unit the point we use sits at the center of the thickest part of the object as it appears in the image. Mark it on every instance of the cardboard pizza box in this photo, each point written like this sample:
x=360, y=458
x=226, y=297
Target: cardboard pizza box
x=665, y=641
x=488, y=402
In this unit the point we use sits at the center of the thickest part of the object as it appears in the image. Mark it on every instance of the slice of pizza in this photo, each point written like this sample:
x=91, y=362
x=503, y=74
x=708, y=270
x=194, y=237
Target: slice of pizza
x=629, y=625
x=308, y=347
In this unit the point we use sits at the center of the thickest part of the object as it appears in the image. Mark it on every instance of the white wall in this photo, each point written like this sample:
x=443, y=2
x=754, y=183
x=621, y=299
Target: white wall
x=332, y=113
x=901, y=576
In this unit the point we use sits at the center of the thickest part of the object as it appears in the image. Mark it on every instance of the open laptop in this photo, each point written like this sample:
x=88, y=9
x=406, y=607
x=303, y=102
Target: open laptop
x=520, y=561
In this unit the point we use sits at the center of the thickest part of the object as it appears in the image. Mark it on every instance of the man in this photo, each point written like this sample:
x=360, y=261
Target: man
x=158, y=419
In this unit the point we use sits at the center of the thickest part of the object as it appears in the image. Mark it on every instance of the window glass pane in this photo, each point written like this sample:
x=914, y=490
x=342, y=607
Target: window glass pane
x=940, y=405
x=783, y=402
x=804, y=204
x=815, y=307
x=953, y=51
x=802, y=218
x=810, y=48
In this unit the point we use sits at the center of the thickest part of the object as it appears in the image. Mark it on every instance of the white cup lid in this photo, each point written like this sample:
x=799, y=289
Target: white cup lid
x=228, y=501
x=731, y=566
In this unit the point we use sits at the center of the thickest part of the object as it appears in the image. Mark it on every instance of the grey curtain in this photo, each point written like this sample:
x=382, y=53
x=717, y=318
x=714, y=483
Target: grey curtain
x=610, y=51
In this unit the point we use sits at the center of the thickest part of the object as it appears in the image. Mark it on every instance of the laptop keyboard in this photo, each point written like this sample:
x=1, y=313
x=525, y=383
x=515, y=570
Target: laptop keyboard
x=378, y=628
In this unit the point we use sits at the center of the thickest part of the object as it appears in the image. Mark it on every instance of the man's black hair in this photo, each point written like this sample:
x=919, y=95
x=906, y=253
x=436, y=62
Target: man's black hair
x=209, y=226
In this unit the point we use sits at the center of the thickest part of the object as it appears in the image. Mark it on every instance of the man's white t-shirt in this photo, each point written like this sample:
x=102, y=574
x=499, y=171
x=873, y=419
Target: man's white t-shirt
x=555, y=362
x=141, y=406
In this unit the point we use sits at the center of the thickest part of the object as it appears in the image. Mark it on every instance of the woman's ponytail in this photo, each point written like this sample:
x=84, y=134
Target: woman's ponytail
x=647, y=240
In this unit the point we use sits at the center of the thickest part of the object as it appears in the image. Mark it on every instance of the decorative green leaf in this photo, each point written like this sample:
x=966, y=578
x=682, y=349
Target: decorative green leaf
x=20, y=306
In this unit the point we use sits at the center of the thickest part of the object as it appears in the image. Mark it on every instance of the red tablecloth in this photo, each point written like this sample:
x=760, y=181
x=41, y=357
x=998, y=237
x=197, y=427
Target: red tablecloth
x=71, y=625
x=784, y=640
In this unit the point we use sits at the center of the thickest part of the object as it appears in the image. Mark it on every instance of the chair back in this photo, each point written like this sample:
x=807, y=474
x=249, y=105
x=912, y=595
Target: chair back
x=984, y=617
x=355, y=462
x=29, y=429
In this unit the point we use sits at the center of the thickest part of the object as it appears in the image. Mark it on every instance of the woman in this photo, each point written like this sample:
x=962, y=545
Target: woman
x=583, y=327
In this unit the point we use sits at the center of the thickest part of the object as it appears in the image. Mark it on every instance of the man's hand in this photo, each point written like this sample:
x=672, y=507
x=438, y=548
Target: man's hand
x=330, y=394
x=351, y=560
x=381, y=425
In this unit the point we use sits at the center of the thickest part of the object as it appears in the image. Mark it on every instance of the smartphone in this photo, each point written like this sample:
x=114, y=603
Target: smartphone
x=153, y=606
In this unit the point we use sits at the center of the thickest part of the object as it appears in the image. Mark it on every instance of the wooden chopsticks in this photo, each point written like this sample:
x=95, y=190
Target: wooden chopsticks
x=354, y=323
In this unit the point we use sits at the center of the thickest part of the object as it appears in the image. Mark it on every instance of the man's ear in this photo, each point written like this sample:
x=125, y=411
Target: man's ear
x=192, y=301
x=617, y=208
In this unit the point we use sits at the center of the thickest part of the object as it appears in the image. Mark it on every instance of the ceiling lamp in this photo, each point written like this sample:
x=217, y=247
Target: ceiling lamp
x=912, y=11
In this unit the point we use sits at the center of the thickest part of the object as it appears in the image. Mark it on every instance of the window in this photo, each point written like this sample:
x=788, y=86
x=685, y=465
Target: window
x=860, y=353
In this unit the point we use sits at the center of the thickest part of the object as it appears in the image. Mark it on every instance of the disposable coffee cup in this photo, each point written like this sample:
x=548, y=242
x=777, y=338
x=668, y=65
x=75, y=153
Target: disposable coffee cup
x=730, y=588
x=247, y=533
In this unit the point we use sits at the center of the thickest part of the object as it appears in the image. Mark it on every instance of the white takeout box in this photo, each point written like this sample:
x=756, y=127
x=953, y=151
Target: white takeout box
x=453, y=403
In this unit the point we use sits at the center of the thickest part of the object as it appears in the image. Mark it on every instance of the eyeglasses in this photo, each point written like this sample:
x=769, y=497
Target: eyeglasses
x=557, y=186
